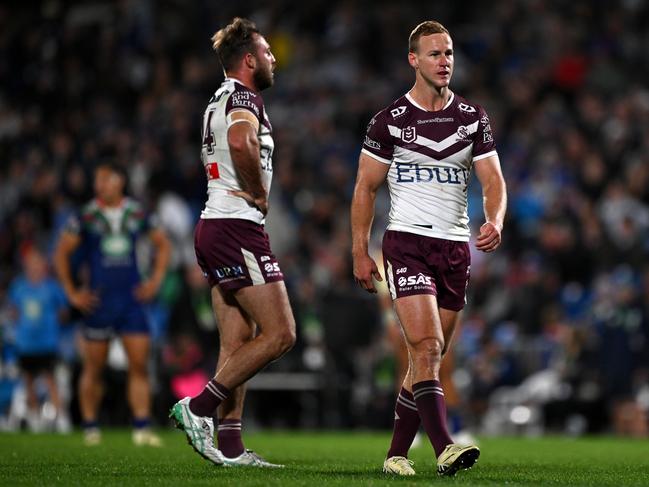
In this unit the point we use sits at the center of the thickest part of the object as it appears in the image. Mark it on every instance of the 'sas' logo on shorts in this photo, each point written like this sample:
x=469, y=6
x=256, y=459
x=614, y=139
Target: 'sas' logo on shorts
x=271, y=267
x=417, y=280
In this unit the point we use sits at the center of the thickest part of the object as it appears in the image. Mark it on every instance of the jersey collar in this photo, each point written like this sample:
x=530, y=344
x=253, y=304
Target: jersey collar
x=100, y=204
x=412, y=100
x=232, y=78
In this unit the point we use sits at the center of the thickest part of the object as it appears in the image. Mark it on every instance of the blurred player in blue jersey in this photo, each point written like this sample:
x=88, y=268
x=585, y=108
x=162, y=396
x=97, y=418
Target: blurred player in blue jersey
x=39, y=302
x=105, y=234
x=426, y=144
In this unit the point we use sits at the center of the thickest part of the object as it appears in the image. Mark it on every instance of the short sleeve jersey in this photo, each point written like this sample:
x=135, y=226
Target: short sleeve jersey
x=109, y=238
x=431, y=156
x=221, y=173
x=38, y=304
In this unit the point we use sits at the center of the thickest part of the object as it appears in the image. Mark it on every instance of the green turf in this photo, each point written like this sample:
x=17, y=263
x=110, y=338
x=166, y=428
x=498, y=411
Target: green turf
x=314, y=459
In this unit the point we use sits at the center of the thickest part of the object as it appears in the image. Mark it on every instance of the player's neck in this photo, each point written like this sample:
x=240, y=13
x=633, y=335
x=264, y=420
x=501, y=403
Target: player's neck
x=431, y=99
x=111, y=203
x=244, y=78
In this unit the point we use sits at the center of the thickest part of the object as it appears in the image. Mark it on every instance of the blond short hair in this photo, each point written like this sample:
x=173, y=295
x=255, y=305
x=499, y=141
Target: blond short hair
x=425, y=29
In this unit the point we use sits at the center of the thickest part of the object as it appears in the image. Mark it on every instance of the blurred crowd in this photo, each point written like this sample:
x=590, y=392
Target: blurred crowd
x=556, y=332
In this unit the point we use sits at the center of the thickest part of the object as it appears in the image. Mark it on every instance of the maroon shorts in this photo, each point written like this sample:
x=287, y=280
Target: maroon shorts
x=235, y=253
x=415, y=264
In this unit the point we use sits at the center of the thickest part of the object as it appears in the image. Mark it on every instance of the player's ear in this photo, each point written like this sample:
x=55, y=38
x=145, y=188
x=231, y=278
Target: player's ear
x=250, y=60
x=412, y=59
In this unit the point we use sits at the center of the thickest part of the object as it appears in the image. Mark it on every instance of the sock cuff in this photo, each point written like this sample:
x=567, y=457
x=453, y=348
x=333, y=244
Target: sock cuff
x=405, y=401
x=426, y=387
x=406, y=394
x=87, y=425
x=218, y=389
x=140, y=423
x=225, y=424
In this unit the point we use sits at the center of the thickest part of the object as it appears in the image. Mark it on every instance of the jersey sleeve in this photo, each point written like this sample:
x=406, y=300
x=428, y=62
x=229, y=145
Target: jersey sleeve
x=484, y=145
x=244, y=100
x=378, y=142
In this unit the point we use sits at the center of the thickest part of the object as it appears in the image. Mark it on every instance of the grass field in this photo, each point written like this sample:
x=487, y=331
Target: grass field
x=314, y=459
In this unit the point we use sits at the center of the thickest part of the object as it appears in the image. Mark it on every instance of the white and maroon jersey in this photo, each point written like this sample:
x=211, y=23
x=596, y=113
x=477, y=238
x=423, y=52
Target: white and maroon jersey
x=232, y=97
x=431, y=155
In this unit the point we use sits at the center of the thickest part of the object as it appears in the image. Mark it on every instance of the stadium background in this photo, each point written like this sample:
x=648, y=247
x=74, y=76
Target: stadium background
x=556, y=333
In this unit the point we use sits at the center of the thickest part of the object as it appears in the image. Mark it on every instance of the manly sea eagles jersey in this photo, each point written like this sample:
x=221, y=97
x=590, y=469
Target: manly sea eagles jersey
x=431, y=155
x=232, y=97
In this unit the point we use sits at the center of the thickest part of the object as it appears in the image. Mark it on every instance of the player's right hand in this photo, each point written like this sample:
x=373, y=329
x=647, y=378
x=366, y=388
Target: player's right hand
x=84, y=300
x=364, y=270
x=260, y=203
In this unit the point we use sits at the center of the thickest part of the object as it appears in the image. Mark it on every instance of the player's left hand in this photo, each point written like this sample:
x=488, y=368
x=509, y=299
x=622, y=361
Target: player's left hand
x=146, y=290
x=489, y=238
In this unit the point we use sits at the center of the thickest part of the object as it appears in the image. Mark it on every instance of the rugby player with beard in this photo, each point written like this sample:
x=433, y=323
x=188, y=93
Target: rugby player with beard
x=256, y=324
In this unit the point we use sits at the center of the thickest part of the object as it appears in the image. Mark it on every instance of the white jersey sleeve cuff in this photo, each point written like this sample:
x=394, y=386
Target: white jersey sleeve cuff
x=374, y=156
x=485, y=155
x=229, y=122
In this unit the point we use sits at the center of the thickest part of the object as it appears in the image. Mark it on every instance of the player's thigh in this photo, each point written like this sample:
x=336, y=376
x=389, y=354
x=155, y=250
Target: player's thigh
x=235, y=326
x=419, y=317
x=94, y=353
x=268, y=306
x=136, y=346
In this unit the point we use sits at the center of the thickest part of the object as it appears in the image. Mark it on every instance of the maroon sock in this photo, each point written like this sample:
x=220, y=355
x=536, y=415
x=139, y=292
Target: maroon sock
x=429, y=398
x=207, y=401
x=406, y=424
x=229, y=437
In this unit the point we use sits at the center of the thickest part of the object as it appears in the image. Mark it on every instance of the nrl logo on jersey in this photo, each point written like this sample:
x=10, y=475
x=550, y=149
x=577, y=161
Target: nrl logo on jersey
x=409, y=134
x=466, y=108
x=397, y=112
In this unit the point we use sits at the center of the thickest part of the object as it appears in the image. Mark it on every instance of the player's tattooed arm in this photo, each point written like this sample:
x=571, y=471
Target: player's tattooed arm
x=244, y=150
x=494, y=194
x=371, y=174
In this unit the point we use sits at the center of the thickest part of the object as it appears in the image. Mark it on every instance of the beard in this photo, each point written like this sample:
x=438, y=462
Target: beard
x=263, y=78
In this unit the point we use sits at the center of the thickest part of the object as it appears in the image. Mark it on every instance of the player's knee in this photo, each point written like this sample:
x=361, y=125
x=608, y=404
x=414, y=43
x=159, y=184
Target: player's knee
x=138, y=369
x=429, y=349
x=93, y=371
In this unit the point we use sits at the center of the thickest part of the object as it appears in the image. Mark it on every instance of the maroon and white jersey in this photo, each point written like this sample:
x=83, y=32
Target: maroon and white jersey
x=230, y=98
x=431, y=155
